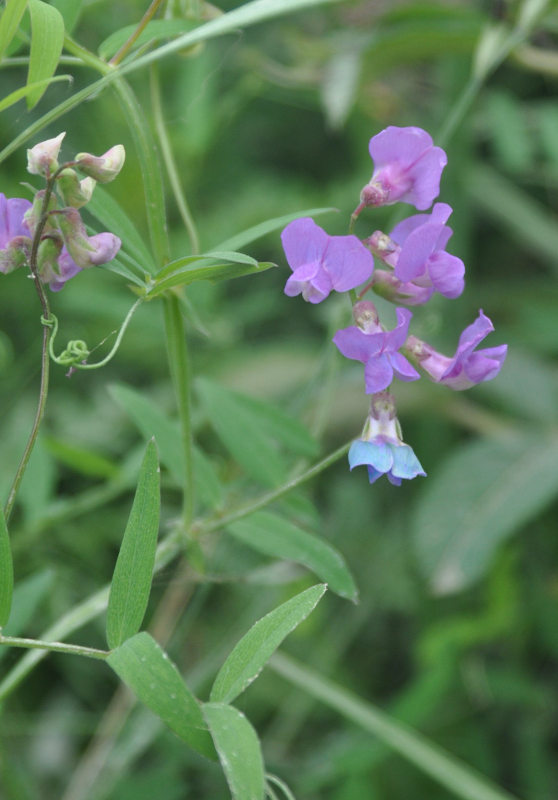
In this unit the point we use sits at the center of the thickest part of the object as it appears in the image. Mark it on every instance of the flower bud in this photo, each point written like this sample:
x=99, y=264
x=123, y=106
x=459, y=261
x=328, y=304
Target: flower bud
x=48, y=253
x=391, y=288
x=102, y=168
x=384, y=247
x=86, y=251
x=33, y=214
x=74, y=192
x=16, y=254
x=43, y=158
x=366, y=316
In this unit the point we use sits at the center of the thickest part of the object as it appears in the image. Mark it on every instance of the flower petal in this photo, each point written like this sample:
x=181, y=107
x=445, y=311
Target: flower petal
x=348, y=262
x=378, y=374
x=446, y=273
x=354, y=343
x=403, y=145
x=303, y=242
x=405, y=462
x=374, y=454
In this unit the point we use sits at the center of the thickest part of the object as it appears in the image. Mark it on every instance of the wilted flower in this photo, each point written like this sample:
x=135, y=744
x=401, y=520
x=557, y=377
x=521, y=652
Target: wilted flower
x=377, y=349
x=381, y=448
x=407, y=168
x=322, y=263
x=467, y=367
x=86, y=251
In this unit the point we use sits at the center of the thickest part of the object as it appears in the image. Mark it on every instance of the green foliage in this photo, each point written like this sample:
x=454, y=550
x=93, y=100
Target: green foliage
x=253, y=651
x=9, y=22
x=6, y=572
x=155, y=680
x=483, y=493
x=131, y=582
x=239, y=750
x=47, y=39
x=274, y=536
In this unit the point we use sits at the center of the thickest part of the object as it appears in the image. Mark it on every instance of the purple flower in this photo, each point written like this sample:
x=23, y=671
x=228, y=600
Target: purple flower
x=422, y=258
x=407, y=168
x=13, y=231
x=468, y=366
x=321, y=262
x=381, y=448
x=376, y=348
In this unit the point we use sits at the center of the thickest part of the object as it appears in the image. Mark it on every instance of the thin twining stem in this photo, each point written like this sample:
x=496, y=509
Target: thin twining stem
x=56, y=647
x=127, y=46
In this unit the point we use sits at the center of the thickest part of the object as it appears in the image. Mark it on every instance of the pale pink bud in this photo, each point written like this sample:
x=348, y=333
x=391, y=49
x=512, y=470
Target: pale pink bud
x=43, y=158
x=103, y=168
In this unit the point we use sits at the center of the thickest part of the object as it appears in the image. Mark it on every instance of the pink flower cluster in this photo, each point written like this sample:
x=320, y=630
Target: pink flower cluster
x=415, y=264
x=64, y=247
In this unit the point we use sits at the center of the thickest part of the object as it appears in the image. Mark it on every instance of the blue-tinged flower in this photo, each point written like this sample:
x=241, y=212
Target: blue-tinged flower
x=381, y=448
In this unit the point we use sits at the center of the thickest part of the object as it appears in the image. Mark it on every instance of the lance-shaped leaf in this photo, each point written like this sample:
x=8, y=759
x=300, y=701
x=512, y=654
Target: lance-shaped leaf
x=9, y=22
x=263, y=228
x=239, y=750
x=47, y=38
x=13, y=97
x=210, y=267
x=250, y=655
x=131, y=582
x=6, y=572
x=157, y=683
x=484, y=492
x=269, y=534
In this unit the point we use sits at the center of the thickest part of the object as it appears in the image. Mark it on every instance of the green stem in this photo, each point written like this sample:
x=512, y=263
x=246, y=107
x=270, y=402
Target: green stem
x=166, y=551
x=60, y=360
x=126, y=47
x=146, y=148
x=45, y=362
x=449, y=771
x=276, y=494
x=170, y=164
x=55, y=647
x=179, y=364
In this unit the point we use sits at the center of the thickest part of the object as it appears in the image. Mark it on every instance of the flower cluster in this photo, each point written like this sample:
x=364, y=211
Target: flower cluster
x=48, y=234
x=415, y=265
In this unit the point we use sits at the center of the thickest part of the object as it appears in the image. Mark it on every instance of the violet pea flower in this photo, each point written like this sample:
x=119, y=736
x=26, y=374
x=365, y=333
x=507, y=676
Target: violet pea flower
x=377, y=350
x=13, y=231
x=468, y=366
x=422, y=258
x=322, y=263
x=407, y=168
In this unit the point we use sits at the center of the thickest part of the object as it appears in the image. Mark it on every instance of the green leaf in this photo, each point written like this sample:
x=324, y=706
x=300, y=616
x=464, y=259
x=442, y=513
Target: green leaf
x=204, y=269
x=269, y=226
x=221, y=255
x=131, y=582
x=250, y=655
x=156, y=29
x=6, y=571
x=239, y=750
x=236, y=426
x=38, y=485
x=47, y=40
x=9, y=22
x=111, y=215
x=269, y=534
x=151, y=421
x=81, y=459
x=480, y=496
x=157, y=683
x=13, y=97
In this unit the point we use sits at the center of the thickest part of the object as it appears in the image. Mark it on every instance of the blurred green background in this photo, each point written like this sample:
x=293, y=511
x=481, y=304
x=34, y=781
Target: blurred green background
x=455, y=632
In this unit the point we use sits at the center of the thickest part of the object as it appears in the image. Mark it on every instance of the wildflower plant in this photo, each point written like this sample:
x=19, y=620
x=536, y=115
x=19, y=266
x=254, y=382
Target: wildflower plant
x=61, y=224
x=407, y=168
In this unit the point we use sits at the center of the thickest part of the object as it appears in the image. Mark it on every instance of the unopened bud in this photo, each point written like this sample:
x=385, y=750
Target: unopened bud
x=74, y=192
x=15, y=254
x=384, y=247
x=102, y=168
x=33, y=215
x=366, y=316
x=49, y=250
x=86, y=251
x=43, y=158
